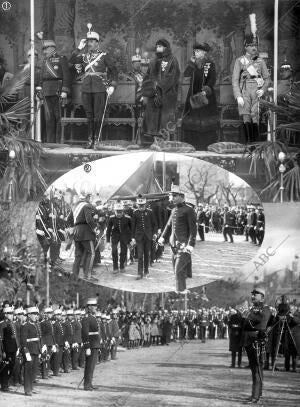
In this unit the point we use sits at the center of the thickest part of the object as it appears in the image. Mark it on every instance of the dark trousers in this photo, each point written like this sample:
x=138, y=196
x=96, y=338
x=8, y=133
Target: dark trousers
x=115, y=255
x=54, y=251
x=93, y=104
x=45, y=363
x=7, y=370
x=143, y=250
x=203, y=333
x=260, y=234
x=35, y=367
x=257, y=372
x=52, y=116
x=81, y=357
x=90, y=363
x=56, y=360
x=75, y=357
x=233, y=357
x=28, y=376
x=84, y=249
x=66, y=360
x=182, y=268
x=201, y=232
x=227, y=231
x=252, y=234
x=113, y=352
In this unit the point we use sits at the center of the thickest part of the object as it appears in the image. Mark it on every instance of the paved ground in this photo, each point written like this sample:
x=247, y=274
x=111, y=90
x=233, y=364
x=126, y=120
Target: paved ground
x=182, y=374
x=212, y=260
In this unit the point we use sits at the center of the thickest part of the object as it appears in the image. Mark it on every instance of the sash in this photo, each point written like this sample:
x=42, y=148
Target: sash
x=78, y=209
x=51, y=69
x=92, y=63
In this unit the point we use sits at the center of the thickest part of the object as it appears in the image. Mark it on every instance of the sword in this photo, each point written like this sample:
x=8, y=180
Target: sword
x=100, y=130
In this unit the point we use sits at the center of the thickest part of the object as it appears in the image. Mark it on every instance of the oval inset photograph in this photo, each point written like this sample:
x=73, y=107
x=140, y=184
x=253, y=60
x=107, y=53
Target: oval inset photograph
x=150, y=222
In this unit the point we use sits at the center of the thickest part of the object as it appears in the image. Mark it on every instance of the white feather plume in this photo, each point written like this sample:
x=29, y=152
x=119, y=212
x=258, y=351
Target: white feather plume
x=253, y=26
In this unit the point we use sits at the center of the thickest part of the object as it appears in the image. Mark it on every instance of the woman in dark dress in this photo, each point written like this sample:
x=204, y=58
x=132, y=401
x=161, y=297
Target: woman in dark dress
x=200, y=119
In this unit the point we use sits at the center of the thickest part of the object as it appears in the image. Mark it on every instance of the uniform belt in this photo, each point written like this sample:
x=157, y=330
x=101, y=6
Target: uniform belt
x=235, y=326
x=93, y=333
x=80, y=223
x=32, y=339
x=251, y=80
x=94, y=74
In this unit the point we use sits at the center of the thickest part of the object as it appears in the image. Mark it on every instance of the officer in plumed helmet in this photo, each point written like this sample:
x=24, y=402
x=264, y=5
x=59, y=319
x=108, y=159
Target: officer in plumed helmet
x=56, y=83
x=255, y=322
x=99, y=80
x=250, y=80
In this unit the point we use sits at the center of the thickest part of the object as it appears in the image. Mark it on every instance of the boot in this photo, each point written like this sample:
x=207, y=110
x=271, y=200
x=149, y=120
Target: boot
x=255, y=132
x=248, y=132
x=91, y=140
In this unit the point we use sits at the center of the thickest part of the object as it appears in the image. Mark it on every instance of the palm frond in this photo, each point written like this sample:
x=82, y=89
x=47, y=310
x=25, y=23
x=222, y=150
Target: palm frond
x=9, y=92
x=17, y=111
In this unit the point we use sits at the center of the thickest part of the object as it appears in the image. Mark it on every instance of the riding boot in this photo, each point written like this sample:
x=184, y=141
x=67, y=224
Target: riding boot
x=91, y=139
x=248, y=132
x=255, y=132
x=96, y=133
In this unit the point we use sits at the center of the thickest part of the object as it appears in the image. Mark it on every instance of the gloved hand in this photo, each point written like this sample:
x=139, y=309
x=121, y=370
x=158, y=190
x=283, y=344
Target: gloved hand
x=240, y=101
x=133, y=241
x=110, y=90
x=67, y=345
x=82, y=44
x=159, y=232
x=63, y=95
x=259, y=93
x=189, y=249
x=53, y=348
x=161, y=241
x=88, y=352
x=44, y=348
x=18, y=352
x=154, y=237
x=28, y=357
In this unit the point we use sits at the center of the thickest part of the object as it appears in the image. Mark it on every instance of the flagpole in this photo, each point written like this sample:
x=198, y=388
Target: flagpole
x=32, y=126
x=275, y=74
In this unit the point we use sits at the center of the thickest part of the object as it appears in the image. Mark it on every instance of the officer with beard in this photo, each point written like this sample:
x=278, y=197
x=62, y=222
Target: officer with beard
x=160, y=87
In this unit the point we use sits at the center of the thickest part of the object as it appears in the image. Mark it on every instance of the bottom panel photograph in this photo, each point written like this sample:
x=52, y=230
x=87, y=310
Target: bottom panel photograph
x=221, y=344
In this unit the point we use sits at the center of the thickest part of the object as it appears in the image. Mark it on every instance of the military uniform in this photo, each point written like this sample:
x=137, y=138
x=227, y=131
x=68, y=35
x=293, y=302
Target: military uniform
x=9, y=346
x=55, y=77
x=48, y=340
x=77, y=344
x=251, y=225
x=97, y=72
x=260, y=227
x=229, y=223
x=91, y=340
x=59, y=342
x=30, y=345
x=201, y=223
x=235, y=325
x=254, y=327
x=119, y=231
x=183, y=225
x=84, y=237
x=144, y=227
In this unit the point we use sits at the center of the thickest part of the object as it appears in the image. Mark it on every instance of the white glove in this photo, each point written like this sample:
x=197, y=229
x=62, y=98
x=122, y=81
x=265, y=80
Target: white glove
x=67, y=344
x=110, y=90
x=28, y=357
x=259, y=93
x=88, y=352
x=40, y=232
x=18, y=351
x=133, y=241
x=189, y=249
x=161, y=241
x=44, y=348
x=53, y=348
x=63, y=95
x=240, y=101
x=82, y=44
x=154, y=237
x=159, y=232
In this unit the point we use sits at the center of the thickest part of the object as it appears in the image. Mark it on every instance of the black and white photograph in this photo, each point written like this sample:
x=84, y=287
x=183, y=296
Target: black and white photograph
x=149, y=203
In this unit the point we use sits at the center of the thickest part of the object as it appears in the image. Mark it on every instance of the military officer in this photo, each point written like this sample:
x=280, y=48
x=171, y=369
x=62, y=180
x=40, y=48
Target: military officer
x=59, y=341
x=68, y=338
x=10, y=346
x=255, y=323
x=31, y=348
x=77, y=340
x=144, y=229
x=260, y=226
x=228, y=224
x=252, y=223
x=99, y=79
x=56, y=82
x=48, y=340
x=201, y=221
x=84, y=235
x=235, y=325
x=250, y=80
x=137, y=75
x=119, y=231
x=183, y=225
x=91, y=342
x=115, y=333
